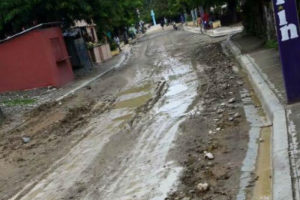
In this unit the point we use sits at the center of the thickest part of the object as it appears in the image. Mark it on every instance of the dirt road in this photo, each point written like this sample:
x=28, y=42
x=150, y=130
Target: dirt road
x=140, y=132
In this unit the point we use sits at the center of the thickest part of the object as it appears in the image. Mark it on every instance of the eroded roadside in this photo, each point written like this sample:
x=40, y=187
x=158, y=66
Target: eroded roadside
x=139, y=133
x=231, y=127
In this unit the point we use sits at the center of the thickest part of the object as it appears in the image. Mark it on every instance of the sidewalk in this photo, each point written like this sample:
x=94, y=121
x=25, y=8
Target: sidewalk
x=218, y=32
x=264, y=69
x=41, y=96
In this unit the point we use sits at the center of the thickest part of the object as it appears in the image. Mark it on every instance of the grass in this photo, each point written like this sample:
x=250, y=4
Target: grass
x=18, y=102
x=271, y=44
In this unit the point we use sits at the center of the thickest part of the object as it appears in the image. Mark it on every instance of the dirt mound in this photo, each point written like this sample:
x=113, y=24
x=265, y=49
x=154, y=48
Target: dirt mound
x=221, y=130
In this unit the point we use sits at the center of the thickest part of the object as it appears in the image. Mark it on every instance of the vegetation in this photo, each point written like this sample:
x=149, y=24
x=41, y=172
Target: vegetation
x=108, y=14
x=114, y=15
x=18, y=102
x=271, y=44
x=173, y=8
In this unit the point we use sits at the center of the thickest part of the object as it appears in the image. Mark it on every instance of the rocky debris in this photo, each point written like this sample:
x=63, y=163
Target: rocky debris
x=208, y=155
x=220, y=92
x=261, y=140
x=186, y=198
x=203, y=187
x=236, y=115
x=88, y=87
x=26, y=140
x=232, y=100
x=220, y=111
x=240, y=83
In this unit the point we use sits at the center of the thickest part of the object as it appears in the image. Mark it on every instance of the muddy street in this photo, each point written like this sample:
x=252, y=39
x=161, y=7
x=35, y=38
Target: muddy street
x=178, y=120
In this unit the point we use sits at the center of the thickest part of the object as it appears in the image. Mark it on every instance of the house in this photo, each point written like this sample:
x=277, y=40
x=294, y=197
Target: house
x=99, y=52
x=34, y=58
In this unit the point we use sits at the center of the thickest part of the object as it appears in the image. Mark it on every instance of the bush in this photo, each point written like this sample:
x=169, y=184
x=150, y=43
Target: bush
x=271, y=44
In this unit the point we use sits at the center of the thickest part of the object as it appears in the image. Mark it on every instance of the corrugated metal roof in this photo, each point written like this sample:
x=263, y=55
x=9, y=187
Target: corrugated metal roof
x=39, y=26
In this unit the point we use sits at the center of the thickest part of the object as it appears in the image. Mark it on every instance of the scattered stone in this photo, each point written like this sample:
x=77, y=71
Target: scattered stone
x=26, y=140
x=208, y=155
x=243, y=96
x=231, y=119
x=240, y=83
x=218, y=129
x=186, y=198
x=236, y=115
x=261, y=140
x=220, y=111
x=88, y=87
x=202, y=187
x=192, y=191
x=232, y=100
x=59, y=103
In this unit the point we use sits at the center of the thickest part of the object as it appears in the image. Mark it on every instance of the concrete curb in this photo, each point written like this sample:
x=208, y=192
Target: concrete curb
x=282, y=181
x=211, y=33
x=123, y=59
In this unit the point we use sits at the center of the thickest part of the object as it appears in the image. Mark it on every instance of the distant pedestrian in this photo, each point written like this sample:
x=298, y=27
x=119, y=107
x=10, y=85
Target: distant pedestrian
x=162, y=23
x=117, y=41
x=166, y=21
x=200, y=24
x=206, y=20
x=182, y=19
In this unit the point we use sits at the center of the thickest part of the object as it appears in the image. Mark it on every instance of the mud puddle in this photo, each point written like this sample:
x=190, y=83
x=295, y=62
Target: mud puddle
x=153, y=111
x=148, y=173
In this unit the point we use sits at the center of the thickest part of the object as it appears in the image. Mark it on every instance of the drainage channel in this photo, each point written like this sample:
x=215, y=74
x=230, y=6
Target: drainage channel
x=256, y=177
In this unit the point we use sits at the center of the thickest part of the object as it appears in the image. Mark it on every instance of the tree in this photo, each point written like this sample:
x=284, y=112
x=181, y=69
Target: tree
x=16, y=14
x=258, y=18
x=108, y=14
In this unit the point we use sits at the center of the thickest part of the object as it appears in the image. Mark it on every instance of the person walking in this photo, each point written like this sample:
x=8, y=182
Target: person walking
x=166, y=21
x=162, y=23
x=206, y=20
x=200, y=24
x=117, y=41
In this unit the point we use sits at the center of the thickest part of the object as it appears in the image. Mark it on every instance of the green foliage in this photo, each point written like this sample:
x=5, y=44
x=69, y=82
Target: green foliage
x=271, y=44
x=108, y=14
x=173, y=8
x=18, y=102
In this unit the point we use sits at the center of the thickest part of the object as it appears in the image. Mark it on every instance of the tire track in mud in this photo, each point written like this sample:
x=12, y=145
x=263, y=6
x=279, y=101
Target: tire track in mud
x=35, y=189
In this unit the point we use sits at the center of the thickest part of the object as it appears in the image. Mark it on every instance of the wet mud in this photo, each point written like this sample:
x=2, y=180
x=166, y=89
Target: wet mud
x=221, y=128
x=139, y=133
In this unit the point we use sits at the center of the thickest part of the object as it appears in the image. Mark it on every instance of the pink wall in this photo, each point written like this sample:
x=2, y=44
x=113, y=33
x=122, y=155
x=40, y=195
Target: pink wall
x=33, y=60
